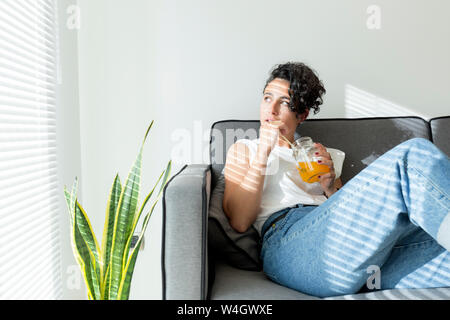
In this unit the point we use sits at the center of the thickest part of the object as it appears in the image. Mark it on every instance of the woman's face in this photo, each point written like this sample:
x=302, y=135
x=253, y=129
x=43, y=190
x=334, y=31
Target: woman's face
x=275, y=106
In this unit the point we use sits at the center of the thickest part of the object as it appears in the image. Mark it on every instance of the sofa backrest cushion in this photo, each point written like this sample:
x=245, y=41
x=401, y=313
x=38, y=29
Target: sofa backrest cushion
x=362, y=140
x=241, y=250
x=440, y=132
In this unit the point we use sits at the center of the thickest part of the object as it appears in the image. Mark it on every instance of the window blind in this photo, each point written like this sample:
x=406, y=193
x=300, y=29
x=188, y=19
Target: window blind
x=30, y=263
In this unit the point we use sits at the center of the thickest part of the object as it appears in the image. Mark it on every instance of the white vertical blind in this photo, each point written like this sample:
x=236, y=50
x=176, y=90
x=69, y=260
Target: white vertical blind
x=30, y=264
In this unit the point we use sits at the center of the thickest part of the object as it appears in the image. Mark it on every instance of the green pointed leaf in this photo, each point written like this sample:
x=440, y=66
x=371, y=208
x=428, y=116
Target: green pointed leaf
x=68, y=202
x=126, y=211
x=83, y=242
x=124, y=289
x=70, y=199
x=167, y=172
x=79, y=250
x=84, y=256
x=89, y=242
x=108, y=231
x=147, y=132
x=105, y=284
x=166, y=177
x=85, y=228
x=147, y=199
x=96, y=283
x=108, y=272
x=124, y=221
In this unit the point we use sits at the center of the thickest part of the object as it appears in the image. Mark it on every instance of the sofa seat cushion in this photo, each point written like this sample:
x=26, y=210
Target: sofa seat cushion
x=236, y=284
x=399, y=294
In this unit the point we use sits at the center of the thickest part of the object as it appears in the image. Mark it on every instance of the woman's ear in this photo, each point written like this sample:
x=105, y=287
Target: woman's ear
x=302, y=117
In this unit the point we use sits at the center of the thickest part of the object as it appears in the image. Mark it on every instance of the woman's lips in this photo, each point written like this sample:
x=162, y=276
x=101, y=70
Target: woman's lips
x=276, y=122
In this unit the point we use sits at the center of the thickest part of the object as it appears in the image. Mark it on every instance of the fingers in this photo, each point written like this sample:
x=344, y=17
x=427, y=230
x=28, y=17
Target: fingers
x=326, y=162
x=329, y=175
x=322, y=151
x=269, y=132
x=269, y=135
x=327, y=180
x=324, y=157
x=266, y=144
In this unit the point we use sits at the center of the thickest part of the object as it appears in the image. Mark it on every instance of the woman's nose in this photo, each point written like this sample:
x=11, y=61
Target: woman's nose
x=274, y=108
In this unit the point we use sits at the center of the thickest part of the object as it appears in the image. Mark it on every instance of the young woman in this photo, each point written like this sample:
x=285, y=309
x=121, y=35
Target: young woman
x=325, y=239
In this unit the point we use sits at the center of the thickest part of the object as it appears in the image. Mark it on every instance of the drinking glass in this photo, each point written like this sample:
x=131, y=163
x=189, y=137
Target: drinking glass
x=308, y=167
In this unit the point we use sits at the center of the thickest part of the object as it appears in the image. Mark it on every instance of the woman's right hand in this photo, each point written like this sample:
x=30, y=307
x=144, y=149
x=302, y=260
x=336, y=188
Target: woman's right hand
x=268, y=137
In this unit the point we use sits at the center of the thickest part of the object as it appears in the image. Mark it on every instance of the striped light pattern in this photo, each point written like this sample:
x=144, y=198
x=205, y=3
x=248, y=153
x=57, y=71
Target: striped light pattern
x=29, y=230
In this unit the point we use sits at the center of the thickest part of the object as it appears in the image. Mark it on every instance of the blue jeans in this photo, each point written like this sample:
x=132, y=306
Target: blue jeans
x=388, y=227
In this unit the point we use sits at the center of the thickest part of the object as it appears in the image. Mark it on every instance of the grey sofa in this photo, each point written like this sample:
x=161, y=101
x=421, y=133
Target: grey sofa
x=193, y=269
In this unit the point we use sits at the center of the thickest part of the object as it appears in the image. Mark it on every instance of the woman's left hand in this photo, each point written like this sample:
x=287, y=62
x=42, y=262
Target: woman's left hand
x=326, y=180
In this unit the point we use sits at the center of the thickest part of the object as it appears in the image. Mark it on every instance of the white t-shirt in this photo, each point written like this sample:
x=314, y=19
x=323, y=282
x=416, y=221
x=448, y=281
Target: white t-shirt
x=283, y=186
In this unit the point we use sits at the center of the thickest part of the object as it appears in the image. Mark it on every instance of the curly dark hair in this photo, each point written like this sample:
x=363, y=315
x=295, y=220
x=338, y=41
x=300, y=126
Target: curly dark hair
x=305, y=90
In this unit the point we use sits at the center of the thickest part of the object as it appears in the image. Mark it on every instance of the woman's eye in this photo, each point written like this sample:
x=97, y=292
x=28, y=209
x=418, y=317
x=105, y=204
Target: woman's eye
x=285, y=103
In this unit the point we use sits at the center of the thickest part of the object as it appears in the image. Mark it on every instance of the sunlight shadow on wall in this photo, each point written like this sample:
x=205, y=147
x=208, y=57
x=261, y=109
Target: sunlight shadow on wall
x=360, y=103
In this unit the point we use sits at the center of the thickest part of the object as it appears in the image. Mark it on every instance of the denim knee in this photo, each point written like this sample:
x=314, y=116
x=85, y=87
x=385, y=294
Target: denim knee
x=420, y=143
x=415, y=149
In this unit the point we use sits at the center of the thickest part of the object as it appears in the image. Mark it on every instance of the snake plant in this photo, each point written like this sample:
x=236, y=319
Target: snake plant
x=108, y=270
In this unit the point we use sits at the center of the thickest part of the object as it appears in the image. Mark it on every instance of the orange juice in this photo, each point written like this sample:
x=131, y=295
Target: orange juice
x=309, y=172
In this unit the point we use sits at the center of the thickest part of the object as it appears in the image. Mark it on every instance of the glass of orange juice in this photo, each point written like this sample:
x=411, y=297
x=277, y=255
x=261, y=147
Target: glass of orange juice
x=308, y=167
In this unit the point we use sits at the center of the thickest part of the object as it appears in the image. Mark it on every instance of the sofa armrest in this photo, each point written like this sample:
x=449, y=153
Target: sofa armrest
x=185, y=234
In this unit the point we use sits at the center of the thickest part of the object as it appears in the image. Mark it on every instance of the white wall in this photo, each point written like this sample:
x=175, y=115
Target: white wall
x=187, y=64
x=68, y=144
x=116, y=58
